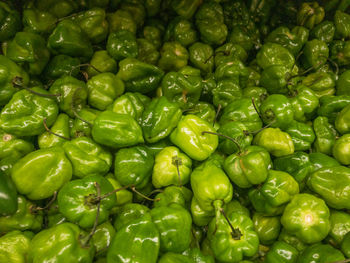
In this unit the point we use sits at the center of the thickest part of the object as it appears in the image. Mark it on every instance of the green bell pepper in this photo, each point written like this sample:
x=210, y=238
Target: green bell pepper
x=292, y=240
x=324, y=31
x=200, y=216
x=159, y=118
x=322, y=83
x=275, y=79
x=147, y=52
x=102, y=238
x=202, y=57
x=128, y=213
x=58, y=9
x=11, y=146
x=38, y=21
x=78, y=200
x=340, y=52
x=183, y=87
x=274, y=54
x=8, y=195
x=325, y=135
x=320, y=253
x=10, y=21
x=87, y=157
x=173, y=56
x=138, y=242
x=174, y=194
x=61, y=65
x=69, y=39
x=321, y=160
x=267, y=228
x=133, y=166
x=228, y=52
x=248, y=167
x=8, y=71
x=330, y=106
x=123, y=196
x=189, y=136
x=331, y=184
x=340, y=226
x=310, y=14
x=342, y=122
x=342, y=21
x=61, y=127
x=185, y=8
x=79, y=125
x=315, y=53
x=210, y=185
x=307, y=217
x=121, y=20
x=103, y=89
x=232, y=245
x=181, y=30
x=302, y=135
x=25, y=218
x=41, y=173
x=171, y=257
x=174, y=225
x=103, y=62
x=171, y=167
x=341, y=149
x=14, y=247
x=30, y=50
x=65, y=244
x=272, y=196
x=282, y=252
x=203, y=110
x=304, y=103
x=73, y=94
x=122, y=44
x=345, y=245
x=116, y=130
x=343, y=83
x=139, y=76
x=281, y=144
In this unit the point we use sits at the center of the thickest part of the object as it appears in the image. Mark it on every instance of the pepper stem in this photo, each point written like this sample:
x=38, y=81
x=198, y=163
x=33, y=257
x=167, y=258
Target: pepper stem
x=17, y=82
x=257, y=131
x=217, y=114
x=142, y=195
x=226, y=137
x=112, y=192
x=342, y=261
x=51, y=132
x=177, y=162
x=235, y=232
x=47, y=206
x=84, y=65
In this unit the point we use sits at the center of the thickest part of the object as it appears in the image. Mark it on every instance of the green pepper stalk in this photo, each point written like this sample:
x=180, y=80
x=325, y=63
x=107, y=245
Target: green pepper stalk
x=17, y=82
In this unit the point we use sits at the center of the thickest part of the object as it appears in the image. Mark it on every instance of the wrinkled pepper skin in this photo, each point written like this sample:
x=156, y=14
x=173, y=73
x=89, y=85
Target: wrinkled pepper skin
x=315, y=53
x=122, y=44
x=134, y=166
x=61, y=65
x=321, y=160
x=330, y=106
x=102, y=238
x=174, y=194
x=137, y=242
x=343, y=83
x=14, y=247
x=322, y=83
x=66, y=245
x=307, y=217
x=24, y=114
x=40, y=173
x=320, y=253
x=310, y=14
x=87, y=157
x=139, y=76
x=8, y=195
x=38, y=21
x=304, y=103
x=325, y=135
x=277, y=147
x=171, y=257
x=77, y=200
x=8, y=71
x=274, y=54
x=341, y=21
x=159, y=118
x=210, y=185
x=302, y=135
x=10, y=21
x=11, y=146
x=332, y=185
x=171, y=167
x=173, y=56
x=267, y=228
x=23, y=219
x=341, y=149
x=102, y=61
x=189, y=137
x=342, y=122
x=116, y=130
x=128, y=213
x=281, y=252
x=249, y=167
x=174, y=225
x=340, y=226
x=225, y=246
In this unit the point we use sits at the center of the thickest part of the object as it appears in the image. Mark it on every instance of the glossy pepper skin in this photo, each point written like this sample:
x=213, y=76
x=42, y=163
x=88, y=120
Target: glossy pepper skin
x=278, y=147
x=137, y=242
x=324, y=31
x=278, y=189
x=73, y=94
x=174, y=225
x=182, y=31
x=123, y=196
x=304, y=103
x=200, y=216
x=322, y=83
x=102, y=238
x=103, y=89
x=171, y=257
x=128, y=213
x=226, y=246
x=174, y=194
x=173, y=56
x=14, y=246
x=40, y=173
x=80, y=128
x=330, y=106
x=274, y=54
x=277, y=111
x=122, y=44
x=341, y=21
x=331, y=184
x=61, y=65
x=185, y=8
x=281, y=252
x=307, y=217
x=345, y=245
x=210, y=185
x=38, y=21
x=297, y=165
x=321, y=160
x=183, y=87
x=341, y=149
x=87, y=157
x=340, y=226
x=10, y=21
x=310, y=14
x=11, y=146
x=8, y=195
x=342, y=122
x=343, y=82
x=29, y=49
x=69, y=39
x=159, y=118
x=267, y=228
x=102, y=61
x=302, y=135
x=249, y=167
x=116, y=130
x=325, y=135
x=315, y=53
x=139, y=76
x=134, y=166
x=65, y=243
x=77, y=200
x=189, y=137
x=171, y=167
x=320, y=253
x=24, y=114
x=23, y=219
x=201, y=56
x=8, y=71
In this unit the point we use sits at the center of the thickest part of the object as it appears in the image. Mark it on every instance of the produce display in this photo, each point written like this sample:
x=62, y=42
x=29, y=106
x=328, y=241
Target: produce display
x=175, y=131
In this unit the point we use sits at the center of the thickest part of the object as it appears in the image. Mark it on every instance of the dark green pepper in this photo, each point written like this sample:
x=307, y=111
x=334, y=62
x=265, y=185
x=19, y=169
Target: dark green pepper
x=8, y=195
x=10, y=21
x=122, y=44
x=173, y=56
